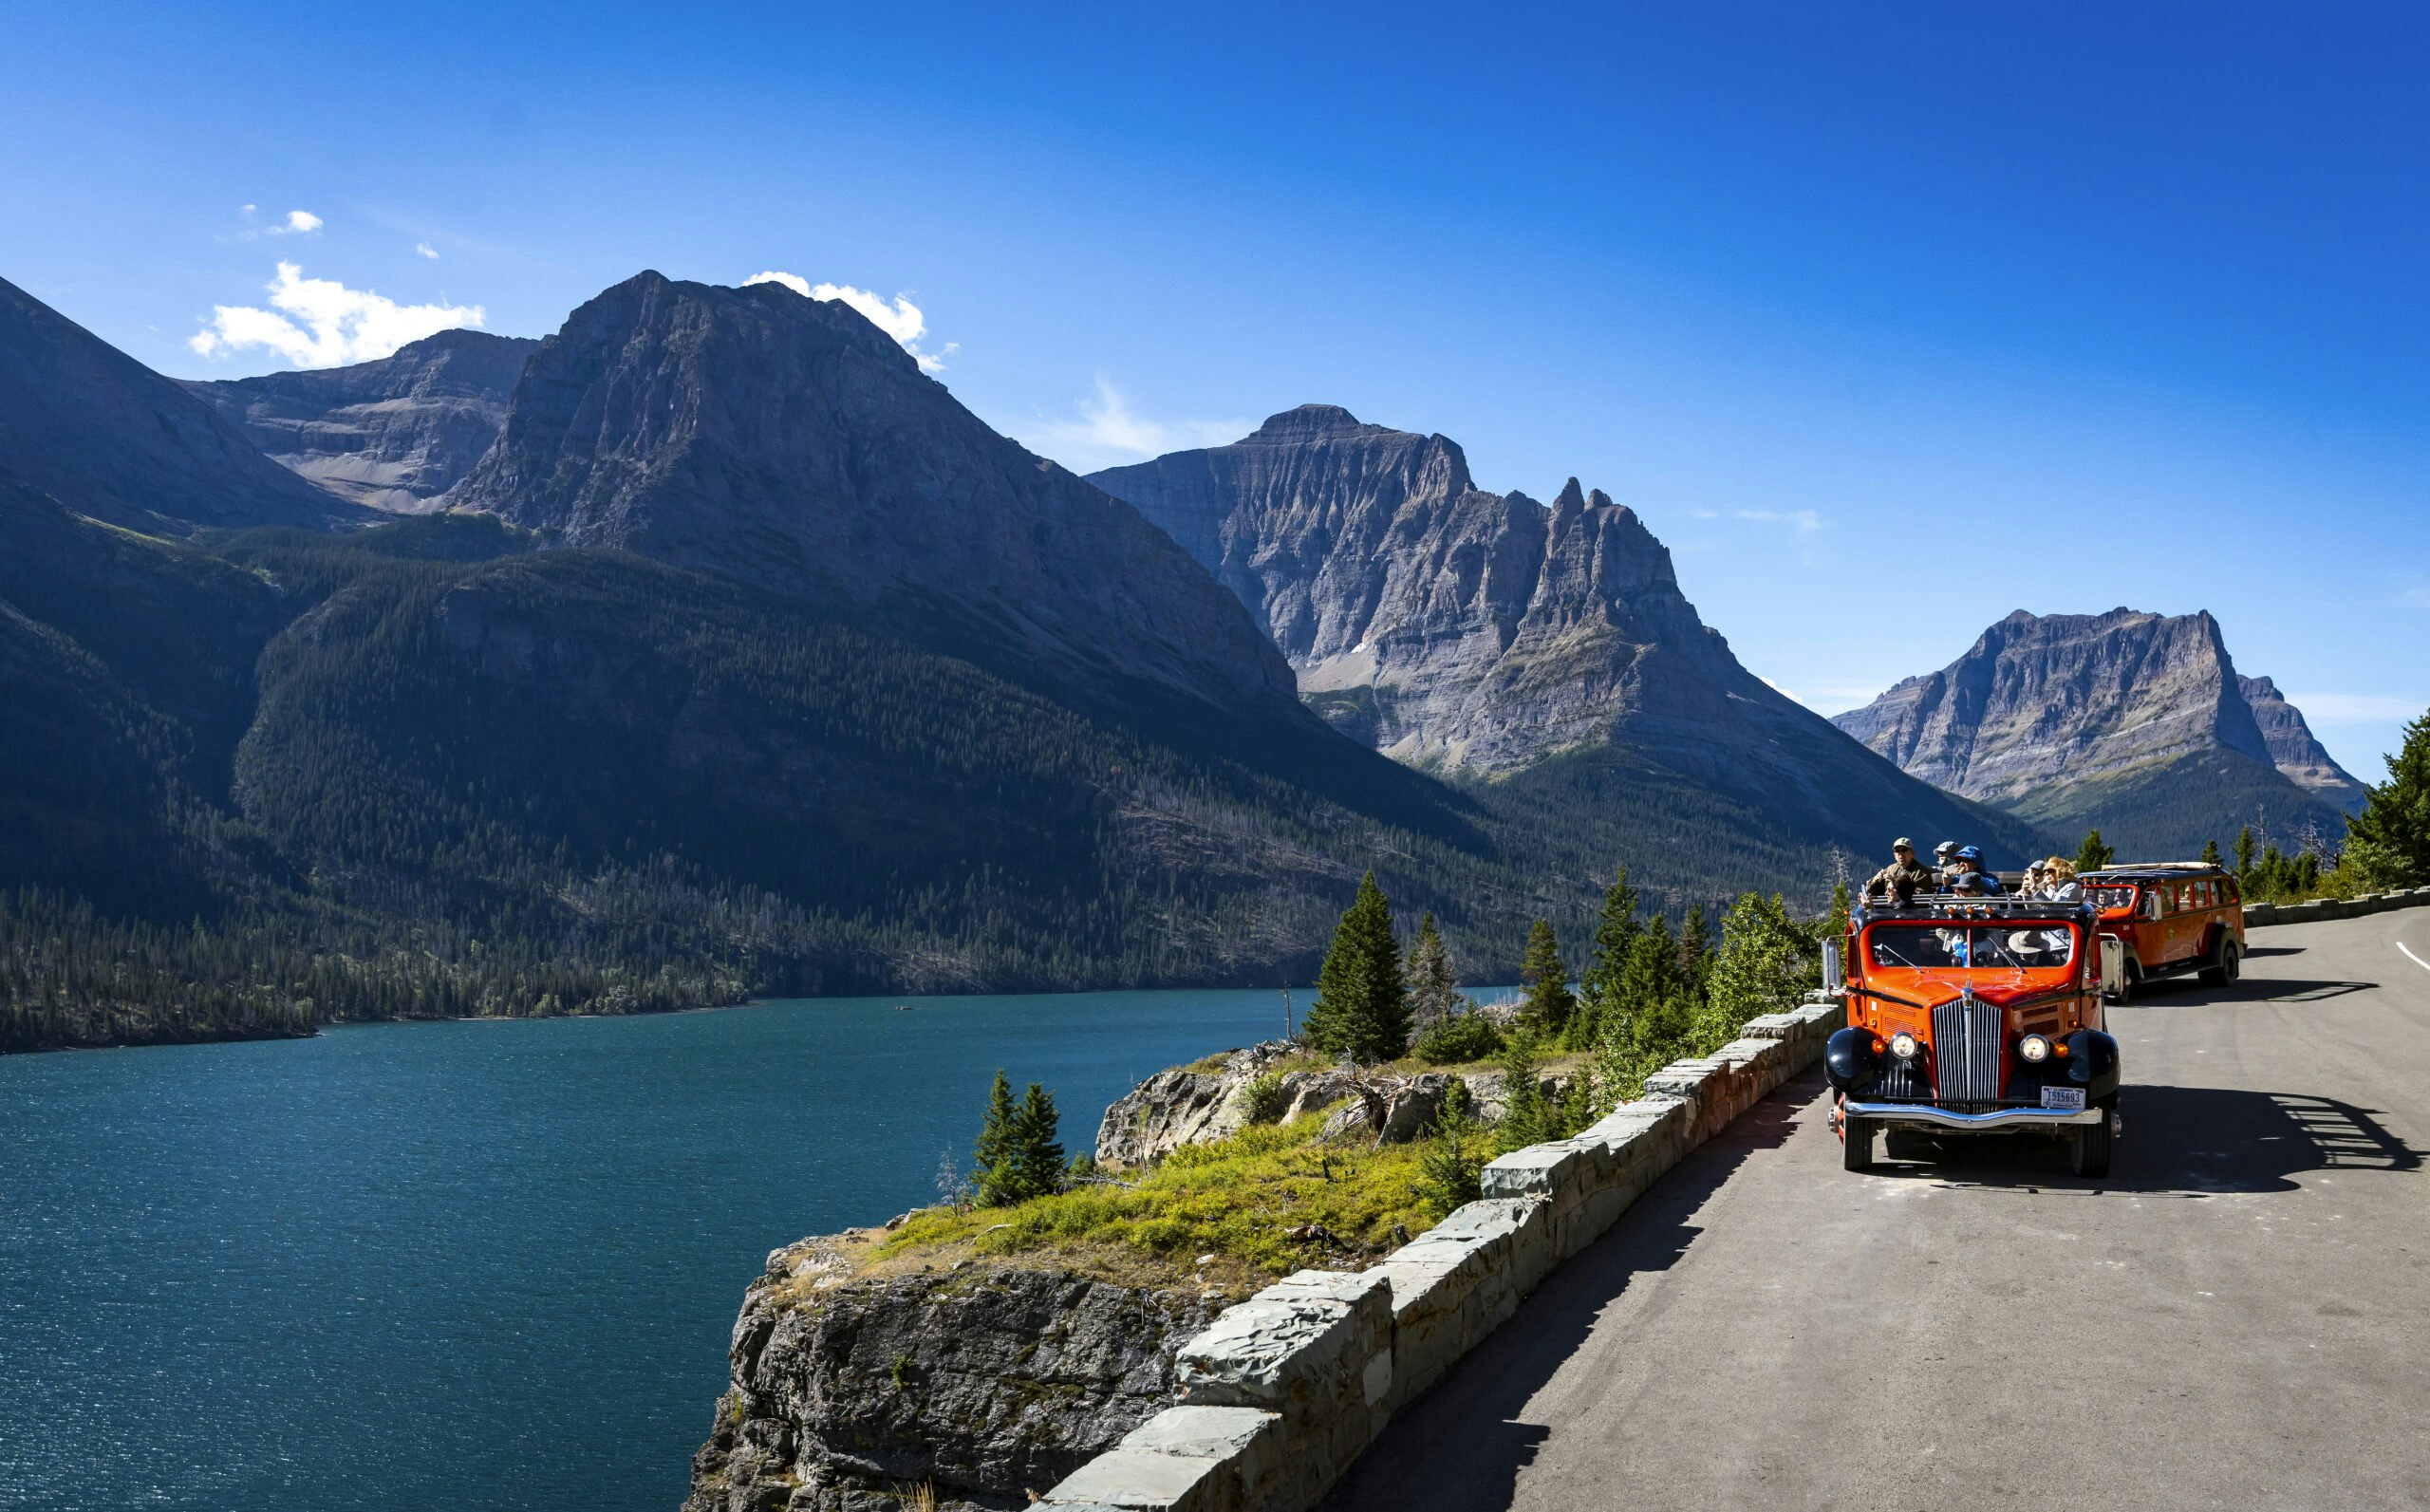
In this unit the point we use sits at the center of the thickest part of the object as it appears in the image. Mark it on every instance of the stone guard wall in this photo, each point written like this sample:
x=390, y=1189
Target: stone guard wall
x=1285, y=1390
x=2257, y=914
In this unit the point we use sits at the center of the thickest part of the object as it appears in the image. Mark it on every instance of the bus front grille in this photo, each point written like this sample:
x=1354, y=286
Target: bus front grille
x=1966, y=1037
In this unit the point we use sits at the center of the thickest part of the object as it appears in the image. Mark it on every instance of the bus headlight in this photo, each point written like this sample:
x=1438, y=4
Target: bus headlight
x=1903, y=1045
x=2033, y=1050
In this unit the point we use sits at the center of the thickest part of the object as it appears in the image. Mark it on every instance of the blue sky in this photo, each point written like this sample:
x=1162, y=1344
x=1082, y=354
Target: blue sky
x=1888, y=319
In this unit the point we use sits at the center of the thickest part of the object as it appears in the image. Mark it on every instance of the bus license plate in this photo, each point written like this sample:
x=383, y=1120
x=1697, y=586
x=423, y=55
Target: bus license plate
x=2071, y=1098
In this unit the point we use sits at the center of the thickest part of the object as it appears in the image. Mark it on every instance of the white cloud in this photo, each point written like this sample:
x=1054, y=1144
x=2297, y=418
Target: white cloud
x=321, y=323
x=299, y=223
x=1806, y=522
x=426, y=250
x=1109, y=432
x=2357, y=708
x=898, y=317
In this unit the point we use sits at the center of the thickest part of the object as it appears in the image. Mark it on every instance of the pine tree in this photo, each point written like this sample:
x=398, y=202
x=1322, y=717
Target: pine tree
x=2211, y=856
x=2092, y=855
x=1363, y=1008
x=2388, y=842
x=1599, y=989
x=1433, y=990
x=1550, y=1001
x=995, y=1159
x=1696, y=945
x=2244, y=851
x=1038, y=1153
x=1836, y=922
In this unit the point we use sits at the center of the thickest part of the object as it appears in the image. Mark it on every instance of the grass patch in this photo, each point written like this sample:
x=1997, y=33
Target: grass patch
x=1271, y=1198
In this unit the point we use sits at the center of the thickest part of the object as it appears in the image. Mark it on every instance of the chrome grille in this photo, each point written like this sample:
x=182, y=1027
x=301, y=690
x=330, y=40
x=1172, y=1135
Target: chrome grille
x=1967, y=1035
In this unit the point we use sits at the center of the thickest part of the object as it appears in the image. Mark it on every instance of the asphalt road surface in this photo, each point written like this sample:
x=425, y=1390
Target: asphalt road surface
x=2238, y=1316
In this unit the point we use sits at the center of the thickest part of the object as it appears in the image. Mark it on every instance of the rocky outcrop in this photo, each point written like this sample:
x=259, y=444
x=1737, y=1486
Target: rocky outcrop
x=2108, y=719
x=1189, y=1107
x=391, y=434
x=110, y=438
x=787, y=442
x=2299, y=757
x=985, y=1382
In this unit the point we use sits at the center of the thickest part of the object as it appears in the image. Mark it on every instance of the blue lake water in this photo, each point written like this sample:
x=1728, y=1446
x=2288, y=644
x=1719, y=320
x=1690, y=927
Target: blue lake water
x=450, y=1267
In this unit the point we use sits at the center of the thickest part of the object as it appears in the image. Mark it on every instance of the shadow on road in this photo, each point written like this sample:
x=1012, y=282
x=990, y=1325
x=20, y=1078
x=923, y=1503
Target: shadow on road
x=1475, y=1405
x=2191, y=992
x=2180, y=1142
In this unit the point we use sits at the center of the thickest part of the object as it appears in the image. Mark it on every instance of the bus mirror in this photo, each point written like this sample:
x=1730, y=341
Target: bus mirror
x=1835, y=977
x=2113, y=965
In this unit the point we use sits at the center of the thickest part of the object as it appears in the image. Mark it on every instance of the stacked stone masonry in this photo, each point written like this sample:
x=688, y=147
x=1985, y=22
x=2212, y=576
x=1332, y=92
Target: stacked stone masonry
x=1282, y=1391
x=2319, y=908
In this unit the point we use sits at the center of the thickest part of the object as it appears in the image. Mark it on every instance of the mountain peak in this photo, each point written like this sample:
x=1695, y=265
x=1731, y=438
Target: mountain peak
x=790, y=443
x=1311, y=423
x=2049, y=714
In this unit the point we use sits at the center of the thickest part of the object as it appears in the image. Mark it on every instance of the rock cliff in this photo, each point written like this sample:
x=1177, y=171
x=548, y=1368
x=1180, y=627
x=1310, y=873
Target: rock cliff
x=985, y=1381
x=790, y=443
x=391, y=434
x=2300, y=758
x=2135, y=722
x=110, y=438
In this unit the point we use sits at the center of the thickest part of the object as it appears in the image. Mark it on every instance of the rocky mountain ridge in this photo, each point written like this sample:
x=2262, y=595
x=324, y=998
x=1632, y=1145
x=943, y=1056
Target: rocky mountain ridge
x=1483, y=634
x=391, y=434
x=108, y=438
x=2135, y=722
x=789, y=443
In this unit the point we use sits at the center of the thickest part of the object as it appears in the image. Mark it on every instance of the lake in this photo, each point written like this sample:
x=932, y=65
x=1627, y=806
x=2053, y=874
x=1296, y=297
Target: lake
x=443, y=1266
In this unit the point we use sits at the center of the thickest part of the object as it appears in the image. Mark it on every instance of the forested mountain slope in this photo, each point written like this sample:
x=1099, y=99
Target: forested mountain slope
x=816, y=686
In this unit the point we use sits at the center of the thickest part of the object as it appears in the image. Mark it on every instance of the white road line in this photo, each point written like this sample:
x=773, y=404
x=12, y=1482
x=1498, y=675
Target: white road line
x=2410, y=956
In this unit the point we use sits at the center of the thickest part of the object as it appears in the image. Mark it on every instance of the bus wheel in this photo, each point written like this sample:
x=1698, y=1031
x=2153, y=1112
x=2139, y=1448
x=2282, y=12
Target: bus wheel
x=1855, y=1143
x=2089, y=1146
x=2225, y=962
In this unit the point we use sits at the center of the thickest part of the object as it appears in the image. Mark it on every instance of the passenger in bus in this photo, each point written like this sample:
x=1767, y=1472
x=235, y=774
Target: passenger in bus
x=1970, y=877
x=1945, y=862
x=1904, y=877
x=2059, y=881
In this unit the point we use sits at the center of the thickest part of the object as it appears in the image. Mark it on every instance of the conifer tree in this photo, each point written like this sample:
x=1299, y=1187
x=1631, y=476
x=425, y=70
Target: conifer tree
x=2244, y=851
x=2092, y=855
x=1362, y=1007
x=1696, y=945
x=1549, y=1000
x=1433, y=990
x=1599, y=988
x=1038, y=1153
x=2211, y=856
x=2388, y=842
x=995, y=1159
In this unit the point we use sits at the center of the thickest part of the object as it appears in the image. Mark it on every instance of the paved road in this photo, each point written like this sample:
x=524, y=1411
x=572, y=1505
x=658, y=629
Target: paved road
x=2239, y=1317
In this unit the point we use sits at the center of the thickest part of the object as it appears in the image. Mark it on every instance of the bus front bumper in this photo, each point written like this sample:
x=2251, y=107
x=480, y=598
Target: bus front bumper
x=1999, y=1118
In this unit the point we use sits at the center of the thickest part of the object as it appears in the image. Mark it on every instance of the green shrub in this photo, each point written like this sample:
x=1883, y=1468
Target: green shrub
x=1451, y=1170
x=1263, y=1099
x=1458, y=1039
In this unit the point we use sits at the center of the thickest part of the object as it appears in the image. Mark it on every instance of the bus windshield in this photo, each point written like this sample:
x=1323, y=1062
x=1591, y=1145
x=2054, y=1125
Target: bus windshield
x=2034, y=947
x=2112, y=897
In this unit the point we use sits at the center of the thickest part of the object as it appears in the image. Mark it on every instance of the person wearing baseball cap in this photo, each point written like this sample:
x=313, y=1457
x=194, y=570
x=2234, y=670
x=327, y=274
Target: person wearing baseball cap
x=1904, y=877
x=1971, y=876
